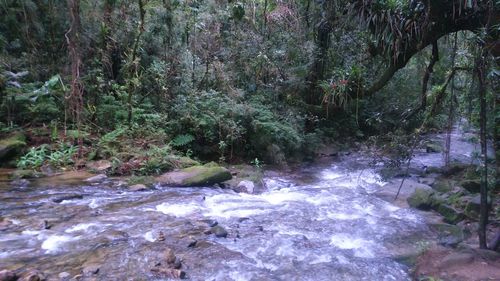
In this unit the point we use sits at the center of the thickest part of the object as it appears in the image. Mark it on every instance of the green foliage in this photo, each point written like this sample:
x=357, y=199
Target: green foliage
x=34, y=159
x=182, y=140
x=61, y=155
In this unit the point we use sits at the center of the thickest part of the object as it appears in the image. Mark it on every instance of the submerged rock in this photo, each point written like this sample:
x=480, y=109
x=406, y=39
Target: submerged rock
x=67, y=197
x=206, y=175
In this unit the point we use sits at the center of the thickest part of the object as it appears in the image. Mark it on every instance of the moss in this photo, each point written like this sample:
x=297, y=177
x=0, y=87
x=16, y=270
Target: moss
x=450, y=214
x=12, y=146
x=206, y=175
x=421, y=199
x=443, y=185
x=145, y=180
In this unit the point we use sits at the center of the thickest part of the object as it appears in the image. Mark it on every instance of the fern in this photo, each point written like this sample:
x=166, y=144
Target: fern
x=182, y=140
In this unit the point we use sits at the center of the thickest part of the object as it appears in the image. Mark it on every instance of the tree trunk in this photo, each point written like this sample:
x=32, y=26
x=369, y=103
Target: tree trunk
x=483, y=214
x=134, y=64
x=75, y=99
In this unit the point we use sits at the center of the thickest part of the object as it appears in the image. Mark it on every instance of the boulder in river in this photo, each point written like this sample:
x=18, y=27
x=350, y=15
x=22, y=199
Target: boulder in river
x=219, y=231
x=245, y=186
x=138, y=187
x=205, y=175
x=8, y=275
x=421, y=199
x=12, y=146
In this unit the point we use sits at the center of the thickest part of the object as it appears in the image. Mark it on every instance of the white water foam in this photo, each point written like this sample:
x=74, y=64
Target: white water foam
x=362, y=248
x=178, y=210
x=55, y=242
x=80, y=227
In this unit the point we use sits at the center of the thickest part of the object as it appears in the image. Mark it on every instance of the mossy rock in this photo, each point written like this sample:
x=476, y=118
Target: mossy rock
x=473, y=205
x=449, y=235
x=24, y=174
x=449, y=213
x=421, y=199
x=205, y=175
x=471, y=185
x=12, y=146
x=443, y=185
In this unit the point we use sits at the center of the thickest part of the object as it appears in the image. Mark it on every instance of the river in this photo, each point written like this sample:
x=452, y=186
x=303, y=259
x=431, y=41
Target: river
x=322, y=222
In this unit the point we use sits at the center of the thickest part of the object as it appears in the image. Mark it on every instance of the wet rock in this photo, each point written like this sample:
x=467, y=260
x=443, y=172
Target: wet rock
x=421, y=199
x=211, y=223
x=24, y=174
x=8, y=275
x=240, y=220
x=191, y=242
x=67, y=197
x=99, y=166
x=161, y=236
x=473, y=186
x=64, y=275
x=12, y=146
x=169, y=256
x=98, y=178
x=91, y=269
x=246, y=186
x=169, y=272
x=20, y=182
x=45, y=225
x=206, y=175
x=138, y=187
x=219, y=231
x=32, y=275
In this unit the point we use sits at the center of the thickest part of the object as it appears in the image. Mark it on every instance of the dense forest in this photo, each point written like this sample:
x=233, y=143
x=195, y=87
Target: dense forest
x=149, y=86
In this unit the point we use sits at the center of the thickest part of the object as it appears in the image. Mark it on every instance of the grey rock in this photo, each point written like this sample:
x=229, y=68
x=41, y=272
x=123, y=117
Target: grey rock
x=219, y=231
x=246, y=186
x=97, y=178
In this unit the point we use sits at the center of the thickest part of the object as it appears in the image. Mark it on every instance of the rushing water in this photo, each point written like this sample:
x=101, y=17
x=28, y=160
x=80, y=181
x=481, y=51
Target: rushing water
x=321, y=223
